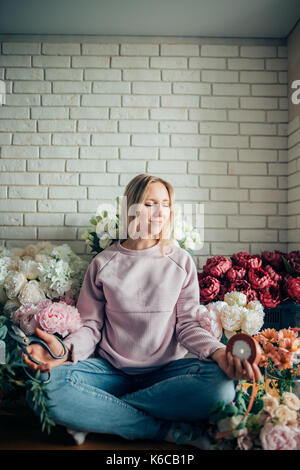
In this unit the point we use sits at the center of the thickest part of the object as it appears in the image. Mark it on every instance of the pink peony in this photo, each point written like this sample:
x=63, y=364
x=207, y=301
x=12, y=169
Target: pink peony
x=246, y=260
x=60, y=318
x=258, y=278
x=209, y=288
x=278, y=437
x=209, y=320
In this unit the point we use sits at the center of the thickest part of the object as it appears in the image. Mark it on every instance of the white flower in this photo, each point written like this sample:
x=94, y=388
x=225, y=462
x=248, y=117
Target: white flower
x=254, y=305
x=270, y=403
x=231, y=317
x=55, y=277
x=285, y=414
x=10, y=306
x=104, y=241
x=252, y=321
x=228, y=424
x=235, y=298
x=291, y=400
x=13, y=283
x=31, y=293
x=28, y=267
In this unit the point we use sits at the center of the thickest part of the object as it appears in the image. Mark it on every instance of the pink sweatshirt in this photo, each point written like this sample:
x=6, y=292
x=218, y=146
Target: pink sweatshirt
x=139, y=309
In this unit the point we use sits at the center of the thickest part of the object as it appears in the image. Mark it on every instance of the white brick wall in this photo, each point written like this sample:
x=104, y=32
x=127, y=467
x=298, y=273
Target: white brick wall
x=294, y=184
x=83, y=117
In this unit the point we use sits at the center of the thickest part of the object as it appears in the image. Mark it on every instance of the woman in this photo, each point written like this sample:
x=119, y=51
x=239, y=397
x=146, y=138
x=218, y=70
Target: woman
x=138, y=305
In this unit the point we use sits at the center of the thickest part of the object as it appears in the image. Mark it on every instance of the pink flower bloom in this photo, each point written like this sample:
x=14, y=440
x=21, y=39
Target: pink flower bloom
x=60, y=318
x=210, y=321
x=278, y=437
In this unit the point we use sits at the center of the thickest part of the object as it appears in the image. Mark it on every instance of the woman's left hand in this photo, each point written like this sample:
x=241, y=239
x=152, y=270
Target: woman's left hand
x=236, y=368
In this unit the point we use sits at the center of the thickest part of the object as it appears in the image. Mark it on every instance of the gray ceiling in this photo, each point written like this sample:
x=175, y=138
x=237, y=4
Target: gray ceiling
x=184, y=18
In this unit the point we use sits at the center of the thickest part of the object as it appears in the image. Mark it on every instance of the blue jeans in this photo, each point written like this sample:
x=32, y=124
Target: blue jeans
x=94, y=396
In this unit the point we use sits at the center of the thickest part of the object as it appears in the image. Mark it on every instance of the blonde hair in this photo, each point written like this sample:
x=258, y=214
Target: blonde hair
x=136, y=192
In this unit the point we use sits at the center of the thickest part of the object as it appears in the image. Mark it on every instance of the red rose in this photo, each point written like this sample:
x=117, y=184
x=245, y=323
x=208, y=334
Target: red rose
x=273, y=258
x=217, y=266
x=274, y=276
x=240, y=286
x=270, y=297
x=292, y=285
x=258, y=278
x=247, y=261
x=209, y=288
x=236, y=273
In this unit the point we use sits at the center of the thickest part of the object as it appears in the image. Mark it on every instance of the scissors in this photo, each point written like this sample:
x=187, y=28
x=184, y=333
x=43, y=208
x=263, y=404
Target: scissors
x=25, y=341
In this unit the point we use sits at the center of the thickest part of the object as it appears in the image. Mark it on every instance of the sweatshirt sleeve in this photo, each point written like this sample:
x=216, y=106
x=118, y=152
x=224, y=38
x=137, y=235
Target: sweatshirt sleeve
x=189, y=333
x=91, y=306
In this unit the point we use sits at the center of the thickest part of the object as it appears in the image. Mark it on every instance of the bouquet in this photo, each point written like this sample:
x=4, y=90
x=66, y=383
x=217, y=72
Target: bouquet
x=273, y=422
x=271, y=278
x=232, y=315
x=106, y=226
x=39, y=287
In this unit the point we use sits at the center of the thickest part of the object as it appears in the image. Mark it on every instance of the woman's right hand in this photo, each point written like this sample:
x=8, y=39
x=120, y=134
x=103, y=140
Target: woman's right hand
x=38, y=352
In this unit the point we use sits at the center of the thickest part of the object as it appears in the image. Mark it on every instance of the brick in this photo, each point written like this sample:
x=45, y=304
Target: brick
x=219, y=76
x=190, y=140
x=101, y=100
x=90, y=62
x=168, y=114
x=179, y=101
x=151, y=88
x=258, y=182
x=20, y=152
x=273, y=142
x=218, y=128
x=268, y=195
x=121, y=166
x=258, y=235
x=141, y=75
x=99, y=179
x=173, y=127
x=258, y=129
x=230, y=89
x=140, y=101
x=111, y=88
x=24, y=74
x=88, y=113
x=110, y=139
x=218, y=181
x=12, y=165
x=130, y=62
x=149, y=140
x=14, y=112
x=246, y=64
x=168, y=62
x=258, y=51
x=19, y=233
x=240, y=221
x=100, y=49
x=19, y=178
x=23, y=100
x=53, y=61
x=59, y=125
x=258, y=155
x=60, y=100
x=191, y=88
x=55, y=205
x=29, y=192
x=228, y=194
x=221, y=235
x=17, y=205
x=27, y=48
x=60, y=179
x=59, y=152
x=68, y=192
x=221, y=154
x=128, y=113
x=229, y=141
x=15, y=61
x=99, y=152
x=207, y=63
x=85, y=165
x=70, y=139
x=180, y=75
x=228, y=249
x=46, y=165
x=179, y=50
x=43, y=219
x=60, y=49
x=219, y=51
x=139, y=49
x=91, y=125
x=220, y=102
x=138, y=126
x=269, y=90
x=179, y=153
x=16, y=125
x=258, y=77
x=32, y=87
x=209, y=168
x=222, y=208
x=139, y=153
x=259, y=103
x=57, y=233
x=277, y=222
x=102, y=74
x=276, y=64
x=207, y=115
x=258, y=208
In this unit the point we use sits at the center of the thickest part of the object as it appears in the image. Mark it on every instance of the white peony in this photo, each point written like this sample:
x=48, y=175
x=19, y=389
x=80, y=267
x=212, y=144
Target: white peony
x=31, y=293
x=104, y=241
x=252, y=321
x=231, y=317
x=270, y=403
x=291, y=400
x=13, y=283
x=284, y=414
x=235, y=298
x=29, y=267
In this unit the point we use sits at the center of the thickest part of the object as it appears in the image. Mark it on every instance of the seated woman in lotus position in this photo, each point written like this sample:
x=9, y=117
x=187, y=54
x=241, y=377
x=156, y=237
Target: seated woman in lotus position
x=138, y=304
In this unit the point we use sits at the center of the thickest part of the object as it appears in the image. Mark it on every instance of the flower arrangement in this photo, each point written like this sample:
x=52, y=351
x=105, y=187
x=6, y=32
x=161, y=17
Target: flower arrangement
x=106, y=225
x=273, y=421
x=271, y=278
x=39, y=287
x=232, y=315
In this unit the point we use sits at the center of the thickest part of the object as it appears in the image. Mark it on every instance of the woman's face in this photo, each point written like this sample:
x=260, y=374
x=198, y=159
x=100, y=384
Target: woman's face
x=155, y=211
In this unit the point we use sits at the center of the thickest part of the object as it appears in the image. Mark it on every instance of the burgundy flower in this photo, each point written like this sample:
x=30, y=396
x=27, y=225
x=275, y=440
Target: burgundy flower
x=274, y=258
x=252, y=295
x=292, y=285
x=217, y=266
x=270, y=297
x=293, y=259
x=209, y=288
x=274, y=276
x=258, y=278
x=222, y=292
x=246, y=260
x=235, y=273
x=240, y=286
